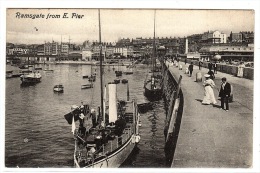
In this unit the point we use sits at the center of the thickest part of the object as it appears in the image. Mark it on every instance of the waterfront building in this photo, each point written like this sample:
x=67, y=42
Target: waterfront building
x=17, y=51
x=228, y=52
x=47, y=48
x=195, y=38
x=54, y=48
x=120, y=51
x=172, y=48
x=86, y=51
x=130, y=51
x=51, y=48
x=247, y=36
x=110, y=50
x=96, y=50
x=40, y=49
x=139, y=41
x=235, y=37
x=214, y=37
x=124, y=42
x=64, y=49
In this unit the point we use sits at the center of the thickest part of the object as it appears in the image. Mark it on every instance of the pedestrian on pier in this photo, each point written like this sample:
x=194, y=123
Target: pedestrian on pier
x=209, y=97
x=224, y=93
x=200, y=63
x=191, y=68
x=210, y=66
x=240, y=71
x=215, y=67
x=211, y=73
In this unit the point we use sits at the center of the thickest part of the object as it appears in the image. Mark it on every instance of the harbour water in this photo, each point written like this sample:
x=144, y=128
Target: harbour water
x=37, y=135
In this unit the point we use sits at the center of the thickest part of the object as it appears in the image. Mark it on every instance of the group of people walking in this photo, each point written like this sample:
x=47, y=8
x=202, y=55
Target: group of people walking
x=224, y=92
x=209, y=97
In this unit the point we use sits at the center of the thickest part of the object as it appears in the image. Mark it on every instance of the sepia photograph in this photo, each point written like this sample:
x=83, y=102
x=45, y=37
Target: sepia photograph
x=129, y=88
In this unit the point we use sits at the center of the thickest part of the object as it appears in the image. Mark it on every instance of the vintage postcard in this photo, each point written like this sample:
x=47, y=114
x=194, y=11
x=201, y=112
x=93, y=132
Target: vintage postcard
x=129, y=88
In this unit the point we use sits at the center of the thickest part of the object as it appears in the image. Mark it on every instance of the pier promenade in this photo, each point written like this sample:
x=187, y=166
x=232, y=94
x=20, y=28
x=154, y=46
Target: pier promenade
x=210, y=137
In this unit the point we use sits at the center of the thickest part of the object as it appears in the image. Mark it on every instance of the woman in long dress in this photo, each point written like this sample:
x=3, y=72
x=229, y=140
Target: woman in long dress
x=209, y=97
x=240, y=71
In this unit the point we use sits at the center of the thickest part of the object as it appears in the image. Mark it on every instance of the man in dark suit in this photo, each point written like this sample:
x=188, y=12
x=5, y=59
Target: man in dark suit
x=215, y=67
x=200, y=62
x=224, y=93
x=210, y=66
x=191, y=68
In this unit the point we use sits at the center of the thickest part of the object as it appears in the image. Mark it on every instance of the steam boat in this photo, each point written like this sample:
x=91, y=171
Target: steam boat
x=106, y=137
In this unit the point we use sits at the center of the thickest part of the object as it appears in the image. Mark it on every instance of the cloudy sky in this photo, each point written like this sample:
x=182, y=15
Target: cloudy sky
x=120, y=24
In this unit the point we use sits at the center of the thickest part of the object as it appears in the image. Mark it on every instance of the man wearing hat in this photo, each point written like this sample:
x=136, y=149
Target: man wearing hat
x=224, y=93
x=191, y=68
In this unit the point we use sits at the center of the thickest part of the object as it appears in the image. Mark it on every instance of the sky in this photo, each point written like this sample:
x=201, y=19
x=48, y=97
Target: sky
x=120, y=23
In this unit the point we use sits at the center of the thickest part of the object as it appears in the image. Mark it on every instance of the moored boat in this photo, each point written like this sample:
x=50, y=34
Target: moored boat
x=124, y=81
x=118, y=73
x=129, y=70
x=92, y=78
x=31, y=78
x=38, y=68
x=152, y=87
x=116, y=81
x=87, y=86
x=48, y=70
x=58, y=88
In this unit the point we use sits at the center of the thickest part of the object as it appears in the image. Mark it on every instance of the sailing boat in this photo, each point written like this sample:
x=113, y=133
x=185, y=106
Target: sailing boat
x=32, y=77
x=105, y=140
x=152, y=87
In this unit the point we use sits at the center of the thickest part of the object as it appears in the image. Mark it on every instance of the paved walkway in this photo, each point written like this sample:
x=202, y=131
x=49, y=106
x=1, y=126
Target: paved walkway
x=209, y=136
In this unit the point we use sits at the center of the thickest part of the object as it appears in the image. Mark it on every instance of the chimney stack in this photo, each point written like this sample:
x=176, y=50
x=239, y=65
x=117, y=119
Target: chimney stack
x=186, y=46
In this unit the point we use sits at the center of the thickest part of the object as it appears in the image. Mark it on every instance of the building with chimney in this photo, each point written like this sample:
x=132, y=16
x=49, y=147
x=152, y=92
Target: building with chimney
x=214, y=37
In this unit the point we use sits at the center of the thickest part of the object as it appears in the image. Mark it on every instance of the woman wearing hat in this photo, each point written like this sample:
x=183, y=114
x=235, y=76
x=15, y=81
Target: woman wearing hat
x=209, y=97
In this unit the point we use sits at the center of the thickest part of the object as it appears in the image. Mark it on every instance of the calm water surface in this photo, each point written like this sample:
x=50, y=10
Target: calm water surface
x=37, y=135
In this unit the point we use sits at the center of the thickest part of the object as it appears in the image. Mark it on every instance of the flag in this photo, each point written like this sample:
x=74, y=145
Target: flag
x=73, y=125
x=74, y=114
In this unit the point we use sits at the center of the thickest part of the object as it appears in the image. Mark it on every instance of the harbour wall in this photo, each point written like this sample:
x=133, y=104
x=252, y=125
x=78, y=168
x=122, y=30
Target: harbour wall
x=173, y=99
x=229, y=69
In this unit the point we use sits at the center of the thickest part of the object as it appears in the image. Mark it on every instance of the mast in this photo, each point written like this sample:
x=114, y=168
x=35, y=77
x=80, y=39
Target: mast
x=101, y=70
x=153, y=43
x=60, y=47
x=69, y=47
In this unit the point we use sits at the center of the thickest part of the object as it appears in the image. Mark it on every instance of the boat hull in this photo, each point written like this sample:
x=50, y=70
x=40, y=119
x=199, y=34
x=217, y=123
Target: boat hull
x=30, y=79
x=87, y=86
x=60, y=90
x=115, y=159
x=152, y=94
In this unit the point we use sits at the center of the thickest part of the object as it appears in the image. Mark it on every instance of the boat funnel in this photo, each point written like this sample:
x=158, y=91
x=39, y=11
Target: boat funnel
x=112, y=103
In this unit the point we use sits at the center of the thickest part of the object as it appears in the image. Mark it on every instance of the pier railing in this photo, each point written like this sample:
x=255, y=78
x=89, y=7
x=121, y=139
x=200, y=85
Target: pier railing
x=174, y=107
